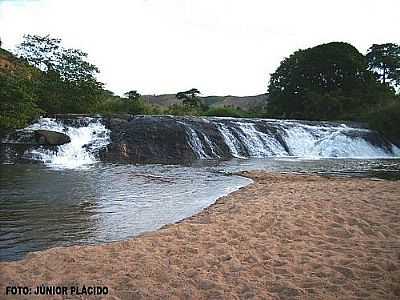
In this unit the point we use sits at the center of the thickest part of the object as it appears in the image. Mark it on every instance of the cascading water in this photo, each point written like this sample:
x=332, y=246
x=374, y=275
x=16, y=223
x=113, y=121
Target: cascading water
x=230, y=140
x=87, y=138
x=339, y=141
x=259, y=138
x=208, y=138
x=259, y=144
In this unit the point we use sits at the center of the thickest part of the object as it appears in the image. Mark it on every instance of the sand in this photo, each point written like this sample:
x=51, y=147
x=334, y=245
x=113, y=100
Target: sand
x=283, y=237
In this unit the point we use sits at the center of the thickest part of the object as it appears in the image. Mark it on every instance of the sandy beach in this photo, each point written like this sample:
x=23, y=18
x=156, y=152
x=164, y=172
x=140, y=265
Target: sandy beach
x=282, y=237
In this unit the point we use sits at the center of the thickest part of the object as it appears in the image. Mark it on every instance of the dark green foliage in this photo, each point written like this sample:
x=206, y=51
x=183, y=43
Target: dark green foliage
x=227, y=112
x=384, y=61
x=67, y=83
x=114, y=104
x=132, y=95
x=386, y=119
x=18, y=101
x=330, y=81
x=184, y=110
x=190, y=97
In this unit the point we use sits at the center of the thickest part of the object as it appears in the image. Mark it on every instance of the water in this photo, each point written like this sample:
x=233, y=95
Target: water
x=71, y=198
x=264, y=138
x=42, y=207
x=93, y=136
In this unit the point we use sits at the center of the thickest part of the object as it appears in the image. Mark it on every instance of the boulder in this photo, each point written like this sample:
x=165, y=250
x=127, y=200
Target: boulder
x=47, y=137
x=15, y=145
x=36, y=137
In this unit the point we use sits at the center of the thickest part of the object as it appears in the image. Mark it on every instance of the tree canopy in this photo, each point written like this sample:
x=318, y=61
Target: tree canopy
x=132, y=95
x=189, y=97
x=18, y=103
x=384, y=61
x=68, y=81
x=323, y=82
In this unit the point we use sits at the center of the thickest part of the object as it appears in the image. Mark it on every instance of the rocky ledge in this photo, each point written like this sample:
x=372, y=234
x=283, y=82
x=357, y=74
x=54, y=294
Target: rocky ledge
x=15, y=144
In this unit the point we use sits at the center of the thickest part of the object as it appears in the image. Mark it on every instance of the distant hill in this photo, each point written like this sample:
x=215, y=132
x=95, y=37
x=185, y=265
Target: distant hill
x=243, y=102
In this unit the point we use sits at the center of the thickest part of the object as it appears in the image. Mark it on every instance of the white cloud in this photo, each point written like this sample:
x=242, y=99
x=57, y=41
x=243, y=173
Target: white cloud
x=219, y=47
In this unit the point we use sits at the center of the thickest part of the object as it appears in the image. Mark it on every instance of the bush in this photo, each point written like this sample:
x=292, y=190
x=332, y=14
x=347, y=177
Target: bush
x=18, y=102
x=226, y=112
x=114, y=104
x=387, y=119
x=184, y=110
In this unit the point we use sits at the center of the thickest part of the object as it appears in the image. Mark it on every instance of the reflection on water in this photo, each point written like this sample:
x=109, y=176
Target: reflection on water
x=378, y=168
x=42, y=207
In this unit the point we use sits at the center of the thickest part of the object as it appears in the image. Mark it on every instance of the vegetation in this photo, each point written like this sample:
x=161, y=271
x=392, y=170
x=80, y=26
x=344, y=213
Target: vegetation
x=332, y=81
x=18, y=103
x=384, y=61
x=336, y=82
x=67, y=81
x=190, y=97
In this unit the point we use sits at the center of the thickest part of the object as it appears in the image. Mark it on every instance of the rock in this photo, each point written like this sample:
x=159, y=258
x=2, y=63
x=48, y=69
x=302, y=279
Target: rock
x=157, y=139
x=17, y=145
x=47, y=137
x=36, y=137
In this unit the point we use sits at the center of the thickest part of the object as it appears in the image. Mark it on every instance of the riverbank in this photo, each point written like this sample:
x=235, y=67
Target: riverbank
x=283, y=237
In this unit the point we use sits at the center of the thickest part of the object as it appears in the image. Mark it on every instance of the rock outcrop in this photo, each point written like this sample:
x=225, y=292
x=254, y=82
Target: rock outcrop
x=15, y=144
x=36, y=137
x=47, y=137
x=147, y=140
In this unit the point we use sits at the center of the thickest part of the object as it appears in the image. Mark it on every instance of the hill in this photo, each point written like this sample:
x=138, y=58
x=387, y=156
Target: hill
x=242, y=102
x=7, y=61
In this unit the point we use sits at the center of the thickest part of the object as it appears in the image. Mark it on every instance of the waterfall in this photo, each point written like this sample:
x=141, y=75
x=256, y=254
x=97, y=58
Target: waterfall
x=86, y=140
x=259, y=144
x=207, y=138
x=211, y=145
x=333, y=141
x=196, y=144
x=275, y=138
x=230, y=140
x=194, y=141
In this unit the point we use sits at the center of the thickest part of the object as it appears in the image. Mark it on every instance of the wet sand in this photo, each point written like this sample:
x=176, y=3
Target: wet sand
x=283, y=237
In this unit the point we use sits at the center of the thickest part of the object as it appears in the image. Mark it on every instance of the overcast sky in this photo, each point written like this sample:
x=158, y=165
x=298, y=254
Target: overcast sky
x=220, y=47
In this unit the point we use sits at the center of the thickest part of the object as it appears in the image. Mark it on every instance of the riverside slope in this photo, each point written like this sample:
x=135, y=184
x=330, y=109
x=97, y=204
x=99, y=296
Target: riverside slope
x=283, y=237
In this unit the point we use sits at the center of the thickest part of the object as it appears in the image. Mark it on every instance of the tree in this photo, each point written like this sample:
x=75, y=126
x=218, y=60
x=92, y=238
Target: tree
x=384, y=61
x=333, y=74
x=132, y=95
x=68, y=81
x=18, y=101
x=189, y=97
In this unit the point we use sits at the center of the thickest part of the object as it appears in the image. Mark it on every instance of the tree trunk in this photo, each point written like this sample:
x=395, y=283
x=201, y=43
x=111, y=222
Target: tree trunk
x=384, y=74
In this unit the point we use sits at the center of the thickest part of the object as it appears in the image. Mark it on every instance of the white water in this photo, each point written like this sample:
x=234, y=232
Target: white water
x=327, y=142
x=259, y=144
x=211, y=146
x=81, y=151
x=195, y=142
x=230, y=140
x=243, y=138
x=302, y=140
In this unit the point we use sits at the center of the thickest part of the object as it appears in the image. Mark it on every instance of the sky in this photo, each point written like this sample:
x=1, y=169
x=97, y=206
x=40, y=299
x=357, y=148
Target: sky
x=221, y=47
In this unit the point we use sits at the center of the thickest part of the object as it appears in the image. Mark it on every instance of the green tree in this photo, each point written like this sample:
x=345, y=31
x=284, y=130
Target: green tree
x=384, y=61
x=189, y=97
x=333, y=75
x=68, y=81
x=132, y=95
x=18, y=101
